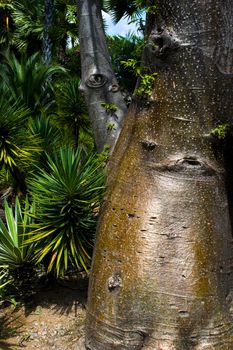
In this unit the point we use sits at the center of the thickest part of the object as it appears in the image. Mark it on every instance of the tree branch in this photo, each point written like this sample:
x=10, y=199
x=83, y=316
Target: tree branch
x=104, y=99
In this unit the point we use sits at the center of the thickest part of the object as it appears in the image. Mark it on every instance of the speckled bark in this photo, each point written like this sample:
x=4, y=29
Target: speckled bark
x=162, y=269
x=99, y=84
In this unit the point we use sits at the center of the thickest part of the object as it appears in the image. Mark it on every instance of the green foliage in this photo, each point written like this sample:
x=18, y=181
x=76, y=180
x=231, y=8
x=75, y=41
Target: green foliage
x=221, y=131
x=50, y=135
x=146, y=84
x=72, y=111
x=124, y=8
x=65, y=22
x=17, y=260
x=29, y=81
x=17, y=146
x=73, y=60
x=110, y=108
x=146, y=80
x=67, y=197
x=110, y=126
x=134, y=66
x=124, y=49
x=28, y=17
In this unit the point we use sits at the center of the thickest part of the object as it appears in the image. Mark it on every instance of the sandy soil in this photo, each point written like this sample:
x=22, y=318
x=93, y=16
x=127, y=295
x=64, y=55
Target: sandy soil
x=53, y=319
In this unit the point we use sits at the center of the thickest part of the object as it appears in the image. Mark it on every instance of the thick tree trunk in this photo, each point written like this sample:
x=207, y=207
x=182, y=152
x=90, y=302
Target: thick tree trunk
x=162, y=270
x=104, y=99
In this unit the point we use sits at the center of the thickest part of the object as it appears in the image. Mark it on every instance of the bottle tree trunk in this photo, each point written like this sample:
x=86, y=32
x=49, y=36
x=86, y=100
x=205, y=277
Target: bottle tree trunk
x=106, y=105
x=162, y=268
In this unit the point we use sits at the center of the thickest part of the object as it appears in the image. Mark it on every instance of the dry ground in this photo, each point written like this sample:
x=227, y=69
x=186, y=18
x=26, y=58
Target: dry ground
x=53, y=319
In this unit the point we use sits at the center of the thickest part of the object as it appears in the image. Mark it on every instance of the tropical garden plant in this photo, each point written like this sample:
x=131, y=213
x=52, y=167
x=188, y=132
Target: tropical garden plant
x=17, y=260
x=29, y=81
x=67, y=199
x=17, y=146
x=28, y=18
x=49, y=136
x=123, y=48
x=72, y=111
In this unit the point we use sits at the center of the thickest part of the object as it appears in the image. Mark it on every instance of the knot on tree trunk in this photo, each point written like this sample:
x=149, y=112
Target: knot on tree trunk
x=162, y=41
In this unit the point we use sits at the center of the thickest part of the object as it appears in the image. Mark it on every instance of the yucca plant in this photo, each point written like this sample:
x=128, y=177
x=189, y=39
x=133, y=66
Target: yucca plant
x=67, y=198
x=17, y=260
x=17, y=147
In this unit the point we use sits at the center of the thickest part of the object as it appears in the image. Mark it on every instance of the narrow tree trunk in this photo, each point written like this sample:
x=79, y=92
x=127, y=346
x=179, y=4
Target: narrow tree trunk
x=48, y=22
x=162, y=270
x=105, y=102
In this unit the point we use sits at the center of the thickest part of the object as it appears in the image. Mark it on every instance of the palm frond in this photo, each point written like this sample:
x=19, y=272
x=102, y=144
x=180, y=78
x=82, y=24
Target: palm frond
x=29, y=80
x=123, y=8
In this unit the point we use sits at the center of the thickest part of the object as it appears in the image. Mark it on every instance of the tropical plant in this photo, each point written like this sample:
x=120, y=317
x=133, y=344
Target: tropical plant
x=72, y=111
x=67, y=198
x=124, y=8
x=6, y=34
x=17, y=147
x=17, y=260
x=64, y=26
x=49, y=136
x=122, y=49
x=28, y=16
x=29, y=81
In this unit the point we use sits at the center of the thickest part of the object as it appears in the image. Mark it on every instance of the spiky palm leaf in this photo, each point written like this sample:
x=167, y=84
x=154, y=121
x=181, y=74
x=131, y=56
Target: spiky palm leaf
x=50, y=137
x=49, y=134
x=17, y=147
x=29, y=81
x=123, y=8
x=67, y=197
x=17, y=261
x=28, y=16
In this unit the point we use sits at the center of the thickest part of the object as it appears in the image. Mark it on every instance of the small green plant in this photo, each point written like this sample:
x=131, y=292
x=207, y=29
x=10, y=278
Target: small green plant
x=134, y=66
x=17, y=260
x=110, y=126
x=110, y=108
x=146, y=84
x=146, y=80
x=151, y=9
x=221, y=131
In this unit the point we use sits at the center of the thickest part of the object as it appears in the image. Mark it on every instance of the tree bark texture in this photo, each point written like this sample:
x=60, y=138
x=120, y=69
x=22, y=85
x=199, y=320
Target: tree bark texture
x=104, y=99
x=48, y=22
x=162, y=269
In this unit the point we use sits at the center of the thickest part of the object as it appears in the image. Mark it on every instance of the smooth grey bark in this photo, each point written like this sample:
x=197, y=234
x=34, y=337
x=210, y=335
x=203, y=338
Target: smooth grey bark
x=104, y=99
x=162, y=268
x=48, y=22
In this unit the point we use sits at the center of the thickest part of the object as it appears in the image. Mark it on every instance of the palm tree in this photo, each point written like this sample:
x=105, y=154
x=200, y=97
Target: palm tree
x=64, y=26
x=48, y=23
x=122, y=8
x=27, y=81
x=28, y=16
